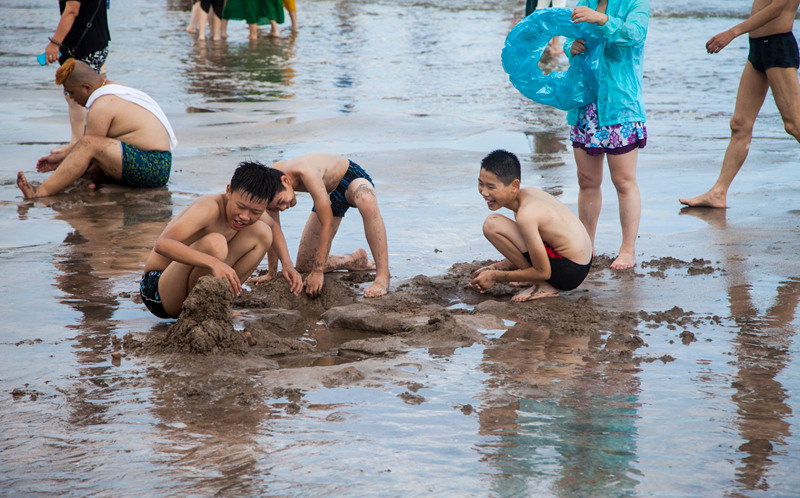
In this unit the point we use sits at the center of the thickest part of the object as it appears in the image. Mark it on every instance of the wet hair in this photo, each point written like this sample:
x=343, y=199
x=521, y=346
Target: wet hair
x=277, y=174
x=503, y=164
x=254, y=179
x=75, y=71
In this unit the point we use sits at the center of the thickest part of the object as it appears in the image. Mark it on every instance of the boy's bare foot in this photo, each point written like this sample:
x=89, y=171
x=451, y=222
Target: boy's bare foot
x=709, y=199
x=538, y=291
x=59, y=150
x=624, y=261
x=27, y=190
x=259, y=279
x=378, y=288
x=360, y=261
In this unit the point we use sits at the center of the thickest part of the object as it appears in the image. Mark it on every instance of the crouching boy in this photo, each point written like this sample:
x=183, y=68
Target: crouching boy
x=217, y=234
x=545, y=245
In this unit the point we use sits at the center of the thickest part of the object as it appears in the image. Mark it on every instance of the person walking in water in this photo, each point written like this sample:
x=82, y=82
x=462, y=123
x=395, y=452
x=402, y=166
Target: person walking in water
x=771, y=65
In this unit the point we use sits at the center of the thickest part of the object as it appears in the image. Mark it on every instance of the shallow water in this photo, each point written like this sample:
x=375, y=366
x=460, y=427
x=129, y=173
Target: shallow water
x=414, y=91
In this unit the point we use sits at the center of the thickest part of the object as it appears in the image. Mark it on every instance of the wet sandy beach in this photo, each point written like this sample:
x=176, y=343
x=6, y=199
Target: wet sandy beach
x=679, y=378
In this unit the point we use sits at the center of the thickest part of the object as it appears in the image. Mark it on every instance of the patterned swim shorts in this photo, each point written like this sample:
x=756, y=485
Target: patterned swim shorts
x=339, y=204
x=145, y=168
x=615, y=139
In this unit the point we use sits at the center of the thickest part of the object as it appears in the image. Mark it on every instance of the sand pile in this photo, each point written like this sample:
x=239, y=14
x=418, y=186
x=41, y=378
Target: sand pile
x=205, y=325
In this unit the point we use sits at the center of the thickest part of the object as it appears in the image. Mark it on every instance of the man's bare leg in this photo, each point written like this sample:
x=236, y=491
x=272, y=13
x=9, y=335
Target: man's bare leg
x=361, y=193
x=106, y=153
x=623, y=175
x=749, y=99
x=536, y=291
x=786, y=91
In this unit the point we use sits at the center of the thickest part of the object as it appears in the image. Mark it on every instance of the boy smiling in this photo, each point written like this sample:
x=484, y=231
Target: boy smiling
x=545, y=245
x=220, y=235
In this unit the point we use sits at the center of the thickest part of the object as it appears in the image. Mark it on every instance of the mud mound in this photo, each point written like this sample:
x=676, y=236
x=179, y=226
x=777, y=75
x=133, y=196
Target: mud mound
x=205, y=325
x=275, y=293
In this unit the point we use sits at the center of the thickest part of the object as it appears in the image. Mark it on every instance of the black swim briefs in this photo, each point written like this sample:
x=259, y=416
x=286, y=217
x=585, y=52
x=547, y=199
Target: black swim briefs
x=149, y=292
x=565, y=274
x=778, y=50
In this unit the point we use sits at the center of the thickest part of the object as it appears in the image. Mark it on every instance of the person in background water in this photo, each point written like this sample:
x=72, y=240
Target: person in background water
x=614, y=126
x=291, y=8
x=255, y=13
x=194, y=25
x=82, y=34
x=771, y=65
x=211, y=13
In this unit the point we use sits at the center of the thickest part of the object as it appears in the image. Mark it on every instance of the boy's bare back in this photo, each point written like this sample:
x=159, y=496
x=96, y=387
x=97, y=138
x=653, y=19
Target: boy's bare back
x=308, y=168
x=557, y=225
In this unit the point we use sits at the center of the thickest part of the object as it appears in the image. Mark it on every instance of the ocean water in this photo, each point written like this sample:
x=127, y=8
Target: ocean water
x=414, y=91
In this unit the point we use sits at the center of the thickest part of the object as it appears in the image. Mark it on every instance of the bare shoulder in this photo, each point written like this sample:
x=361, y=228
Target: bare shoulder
x=207, y=207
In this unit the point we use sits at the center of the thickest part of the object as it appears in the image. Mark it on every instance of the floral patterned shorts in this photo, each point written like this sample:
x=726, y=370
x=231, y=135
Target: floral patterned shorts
x=615, y=139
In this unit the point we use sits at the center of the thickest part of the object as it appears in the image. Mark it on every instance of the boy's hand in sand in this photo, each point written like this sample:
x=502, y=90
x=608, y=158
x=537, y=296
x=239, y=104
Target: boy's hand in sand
x=295, y=280
x=313, y=283
x=228, y=274
x=482, y=281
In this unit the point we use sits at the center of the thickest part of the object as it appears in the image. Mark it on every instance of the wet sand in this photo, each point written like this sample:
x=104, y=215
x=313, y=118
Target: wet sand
x=678, y=375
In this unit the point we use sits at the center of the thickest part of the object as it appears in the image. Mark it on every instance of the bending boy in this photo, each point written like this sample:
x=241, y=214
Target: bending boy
x=220, y=235
x=546, y=245
x=128, y=138
x=335, y=184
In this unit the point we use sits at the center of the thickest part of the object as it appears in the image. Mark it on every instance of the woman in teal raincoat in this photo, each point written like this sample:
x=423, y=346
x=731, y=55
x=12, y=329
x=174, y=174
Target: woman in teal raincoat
x=613, y=127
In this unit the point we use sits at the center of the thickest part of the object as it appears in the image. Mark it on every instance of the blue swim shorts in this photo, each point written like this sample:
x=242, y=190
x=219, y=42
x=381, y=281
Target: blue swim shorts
x=145, y=168
x=339, y=204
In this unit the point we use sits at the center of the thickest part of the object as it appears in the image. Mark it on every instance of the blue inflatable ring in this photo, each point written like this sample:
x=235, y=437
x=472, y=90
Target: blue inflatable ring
x=575, y=87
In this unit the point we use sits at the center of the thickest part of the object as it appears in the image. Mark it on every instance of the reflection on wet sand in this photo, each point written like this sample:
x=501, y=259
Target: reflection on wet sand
x=565, y=423
x=761, y=349
x=256, y=71
x=100, y=261
x=212, y=426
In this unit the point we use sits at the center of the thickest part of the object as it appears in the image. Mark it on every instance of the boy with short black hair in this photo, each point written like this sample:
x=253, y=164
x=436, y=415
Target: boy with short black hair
x=217, y=234
x=546, y=245
x=335, y=184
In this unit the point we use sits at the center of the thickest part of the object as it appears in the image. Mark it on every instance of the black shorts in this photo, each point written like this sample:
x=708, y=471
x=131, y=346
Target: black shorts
x=217, y=5
x=779, y=50
x=565, y=274
x=149, y=292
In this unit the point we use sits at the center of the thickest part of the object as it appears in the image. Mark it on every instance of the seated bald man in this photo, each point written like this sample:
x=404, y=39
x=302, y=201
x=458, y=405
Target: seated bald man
x=128, y=139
